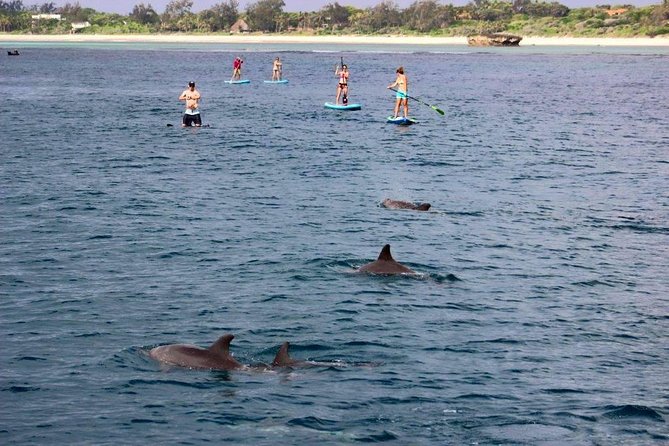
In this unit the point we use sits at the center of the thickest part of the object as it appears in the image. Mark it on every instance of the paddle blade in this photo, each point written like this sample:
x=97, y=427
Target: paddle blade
x=438, y=110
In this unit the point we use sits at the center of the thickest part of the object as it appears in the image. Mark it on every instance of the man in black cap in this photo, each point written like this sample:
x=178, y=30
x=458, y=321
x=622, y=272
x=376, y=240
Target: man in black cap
x=192, y=113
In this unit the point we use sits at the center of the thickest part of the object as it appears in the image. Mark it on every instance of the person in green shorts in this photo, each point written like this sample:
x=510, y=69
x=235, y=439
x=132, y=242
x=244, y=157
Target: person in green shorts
x=402, y=97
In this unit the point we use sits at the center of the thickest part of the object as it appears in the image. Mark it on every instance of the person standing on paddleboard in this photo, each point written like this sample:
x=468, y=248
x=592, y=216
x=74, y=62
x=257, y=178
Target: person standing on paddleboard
x=402, y=96
x=342, y=87
x=237, y=68
x=192, y=113
x=276, y=69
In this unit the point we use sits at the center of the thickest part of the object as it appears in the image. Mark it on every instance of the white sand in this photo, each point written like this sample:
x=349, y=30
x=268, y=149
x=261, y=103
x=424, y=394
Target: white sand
x=596, y=41
x=370, y=40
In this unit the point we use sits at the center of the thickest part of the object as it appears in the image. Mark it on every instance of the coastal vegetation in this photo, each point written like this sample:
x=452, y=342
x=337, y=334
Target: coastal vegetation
x=423, y=17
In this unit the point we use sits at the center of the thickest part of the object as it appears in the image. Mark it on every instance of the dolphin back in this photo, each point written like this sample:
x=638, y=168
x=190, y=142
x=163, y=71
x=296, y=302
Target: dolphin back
x=399, y=204
x=216, y=357
x=385, y=264
x=222, y=345
x=282, y=358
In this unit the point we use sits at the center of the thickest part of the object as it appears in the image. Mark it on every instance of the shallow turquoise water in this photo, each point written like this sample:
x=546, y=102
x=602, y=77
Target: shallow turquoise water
x=541, y=315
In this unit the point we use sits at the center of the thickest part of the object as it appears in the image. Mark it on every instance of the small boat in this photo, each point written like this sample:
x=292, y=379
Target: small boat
x=282, y=81
x=241, y=81
x=347, y=107
x=13, y=53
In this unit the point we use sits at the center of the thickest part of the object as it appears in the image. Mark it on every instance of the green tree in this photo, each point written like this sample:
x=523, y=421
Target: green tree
x=661, y=13
x=384, y=15
x=145, y=14
x=543, y=9
x=15, y=6
x=75, y=13
x=106, y=20
x=490, y=10
x=178, y=8
x=294, y=19
x=44, y=8
x=265, y=15
x=14, y=17
x=427, y=15
x=336, y=15
x=220, y=17
x=178, y=16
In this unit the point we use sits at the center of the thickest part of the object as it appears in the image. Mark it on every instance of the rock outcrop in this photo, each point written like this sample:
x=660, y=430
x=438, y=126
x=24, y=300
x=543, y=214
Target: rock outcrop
x=497, y=39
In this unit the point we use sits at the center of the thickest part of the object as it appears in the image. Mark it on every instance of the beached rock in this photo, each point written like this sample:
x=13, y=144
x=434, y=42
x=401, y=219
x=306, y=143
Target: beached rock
x=496, y=39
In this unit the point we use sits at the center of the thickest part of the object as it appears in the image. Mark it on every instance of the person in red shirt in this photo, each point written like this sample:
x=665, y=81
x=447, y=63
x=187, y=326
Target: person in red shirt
x=237, y=68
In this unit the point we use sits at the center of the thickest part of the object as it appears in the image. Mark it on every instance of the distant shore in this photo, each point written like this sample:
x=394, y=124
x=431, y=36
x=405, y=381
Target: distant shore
x=301, y=39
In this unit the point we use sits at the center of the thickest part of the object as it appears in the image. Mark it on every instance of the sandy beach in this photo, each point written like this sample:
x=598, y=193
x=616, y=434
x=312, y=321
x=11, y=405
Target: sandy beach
x=302, y=39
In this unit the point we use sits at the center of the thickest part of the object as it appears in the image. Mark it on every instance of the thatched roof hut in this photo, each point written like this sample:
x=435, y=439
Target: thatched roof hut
x=240, y=26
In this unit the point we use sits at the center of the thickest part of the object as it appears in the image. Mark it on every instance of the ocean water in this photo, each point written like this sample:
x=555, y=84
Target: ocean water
x=540, y=316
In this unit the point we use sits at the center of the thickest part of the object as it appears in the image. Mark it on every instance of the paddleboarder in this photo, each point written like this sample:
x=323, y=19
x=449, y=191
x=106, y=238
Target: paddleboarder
x=342, y=86
x=192, y=114
x=402, y=92
x=237, y=68
x=276, y=69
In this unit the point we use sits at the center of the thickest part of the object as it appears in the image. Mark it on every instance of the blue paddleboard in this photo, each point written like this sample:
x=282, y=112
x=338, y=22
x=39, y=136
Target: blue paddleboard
x=343, y=107
x=241, y=81
x=401, y=120
x=282, y=81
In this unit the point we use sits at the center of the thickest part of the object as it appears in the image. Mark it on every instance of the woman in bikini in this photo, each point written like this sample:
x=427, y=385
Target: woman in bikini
x=276, y=69
x=342, y=87
x=402, y=96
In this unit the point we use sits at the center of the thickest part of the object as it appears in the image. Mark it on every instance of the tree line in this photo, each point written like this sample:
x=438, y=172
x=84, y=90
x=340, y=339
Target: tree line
x=422, y=17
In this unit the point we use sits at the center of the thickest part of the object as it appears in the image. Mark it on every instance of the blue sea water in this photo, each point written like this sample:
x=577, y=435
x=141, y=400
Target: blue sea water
x=541, y=315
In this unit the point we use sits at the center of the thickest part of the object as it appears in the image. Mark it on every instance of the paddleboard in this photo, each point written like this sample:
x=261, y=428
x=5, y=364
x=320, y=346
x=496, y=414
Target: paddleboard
x=282, y=81
x=348, y=107
x=401, y=120
x=191, y=126
x=241, y=81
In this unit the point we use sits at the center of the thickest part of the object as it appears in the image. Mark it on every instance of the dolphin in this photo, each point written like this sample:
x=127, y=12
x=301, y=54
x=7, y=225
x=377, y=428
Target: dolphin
x=399, y=204
x=283, y=359
x=216, y=357
x=385, y=264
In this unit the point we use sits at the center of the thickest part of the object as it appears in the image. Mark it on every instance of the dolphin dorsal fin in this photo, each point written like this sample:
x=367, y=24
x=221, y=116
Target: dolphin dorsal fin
x=282, y=357
x=222, y=345
x=385, y=254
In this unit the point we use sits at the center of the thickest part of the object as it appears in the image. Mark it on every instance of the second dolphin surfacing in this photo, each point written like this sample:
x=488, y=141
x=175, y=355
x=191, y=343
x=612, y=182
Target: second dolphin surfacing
x=385, y=265
x=216, y=357
x=399, y=204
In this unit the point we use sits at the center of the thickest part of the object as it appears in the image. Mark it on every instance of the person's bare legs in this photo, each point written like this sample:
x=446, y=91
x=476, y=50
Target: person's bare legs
x=398, y=101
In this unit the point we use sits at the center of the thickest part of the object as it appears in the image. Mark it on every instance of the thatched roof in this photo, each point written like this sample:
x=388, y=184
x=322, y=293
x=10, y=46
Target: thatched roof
x=240, y=26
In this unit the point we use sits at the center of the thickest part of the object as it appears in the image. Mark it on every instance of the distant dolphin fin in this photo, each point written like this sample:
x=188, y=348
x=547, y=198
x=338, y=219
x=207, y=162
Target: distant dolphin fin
x=282, y=357
x=222, y=345
x=385, y=254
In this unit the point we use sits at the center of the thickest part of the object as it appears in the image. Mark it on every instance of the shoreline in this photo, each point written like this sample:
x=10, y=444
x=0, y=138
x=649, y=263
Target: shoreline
x=301, y=39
